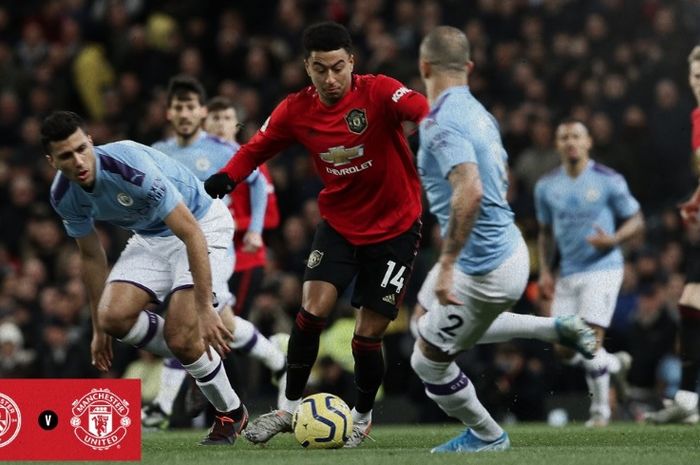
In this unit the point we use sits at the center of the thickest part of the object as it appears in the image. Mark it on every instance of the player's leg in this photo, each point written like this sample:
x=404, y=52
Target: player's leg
x=597, y=298
x=445, y=331
x=330, y=268
x=385, y=268
x=570, y=331
x=683, y=408
x=182, y=326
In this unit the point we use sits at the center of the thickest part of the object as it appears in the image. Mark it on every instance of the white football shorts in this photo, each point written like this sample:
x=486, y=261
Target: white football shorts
x=454, y=328
x=590, y=295
x=159, y=265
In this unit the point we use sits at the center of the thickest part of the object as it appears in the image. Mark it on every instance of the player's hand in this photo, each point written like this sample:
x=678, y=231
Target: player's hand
x=546, y=285
x=214, y=333
x=101, y=350
x=601, y=240
x=252, y=242
x=218, y=185
x=443, y=287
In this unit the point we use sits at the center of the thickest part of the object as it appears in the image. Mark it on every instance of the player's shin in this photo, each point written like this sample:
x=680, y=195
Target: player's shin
x=301, y=355
x=147, y=334
x=690, y=347
x=212, y=380
x=249, y=341
x=598, y=380
x=369, y=373
x=452, y=390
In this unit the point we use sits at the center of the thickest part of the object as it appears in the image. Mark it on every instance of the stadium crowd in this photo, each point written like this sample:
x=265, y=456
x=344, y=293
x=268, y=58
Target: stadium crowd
x=619, y=66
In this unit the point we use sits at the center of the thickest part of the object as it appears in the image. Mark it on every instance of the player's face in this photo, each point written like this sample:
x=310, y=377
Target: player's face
x=694, y=77
x=222, y=124
x=573, y=141
x=186, y=114
x=75, y=158
x=330, y=73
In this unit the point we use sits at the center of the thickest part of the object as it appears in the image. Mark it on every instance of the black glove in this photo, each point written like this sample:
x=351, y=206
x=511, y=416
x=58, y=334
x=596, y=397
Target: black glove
x=218, y=185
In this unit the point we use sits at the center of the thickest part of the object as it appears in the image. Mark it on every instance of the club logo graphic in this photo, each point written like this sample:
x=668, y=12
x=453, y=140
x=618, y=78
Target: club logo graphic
x=125, y=199
x=100, y=419
x=10, y=420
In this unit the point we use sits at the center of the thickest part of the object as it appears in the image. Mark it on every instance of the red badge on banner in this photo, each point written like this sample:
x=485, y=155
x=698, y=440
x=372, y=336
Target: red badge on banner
x=70, y=419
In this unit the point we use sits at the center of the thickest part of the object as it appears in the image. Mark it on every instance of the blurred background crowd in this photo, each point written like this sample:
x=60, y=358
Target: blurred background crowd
x=620, y=66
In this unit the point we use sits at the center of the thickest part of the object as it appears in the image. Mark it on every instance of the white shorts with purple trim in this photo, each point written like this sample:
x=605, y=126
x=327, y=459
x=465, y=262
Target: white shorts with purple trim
x=454, y=328
x=159, y=265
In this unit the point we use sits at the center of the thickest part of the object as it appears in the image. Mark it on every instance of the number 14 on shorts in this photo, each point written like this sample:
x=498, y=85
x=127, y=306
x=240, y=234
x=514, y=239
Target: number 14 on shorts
x=391, y=278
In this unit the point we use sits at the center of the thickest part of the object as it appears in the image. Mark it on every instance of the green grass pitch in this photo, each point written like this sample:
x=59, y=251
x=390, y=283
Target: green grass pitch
x=532, y=444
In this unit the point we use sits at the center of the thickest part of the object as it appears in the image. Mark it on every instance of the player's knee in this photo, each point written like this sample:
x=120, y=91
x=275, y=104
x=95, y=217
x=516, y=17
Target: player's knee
x=114, y=323
x=179, y=343
x=425, y=368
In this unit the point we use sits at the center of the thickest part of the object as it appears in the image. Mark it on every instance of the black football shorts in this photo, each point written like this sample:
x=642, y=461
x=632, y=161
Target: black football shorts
x=382, y=269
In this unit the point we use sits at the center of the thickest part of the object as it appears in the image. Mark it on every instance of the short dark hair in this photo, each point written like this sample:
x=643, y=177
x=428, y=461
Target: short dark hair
x=325, y=37
x=572, y=120
x=58, y=126
x=181, y=85
x=220, y=103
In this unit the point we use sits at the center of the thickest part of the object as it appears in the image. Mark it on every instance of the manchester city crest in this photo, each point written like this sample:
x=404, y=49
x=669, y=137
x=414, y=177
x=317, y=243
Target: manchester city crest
x=356, y=120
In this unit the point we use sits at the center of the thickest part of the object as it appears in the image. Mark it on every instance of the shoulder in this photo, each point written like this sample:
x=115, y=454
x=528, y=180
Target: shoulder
x=303, y=97
x=604, y=170
x=162, y=144
x=125, y=159
x=219, y=144
x=59, y=189
x=549, y=177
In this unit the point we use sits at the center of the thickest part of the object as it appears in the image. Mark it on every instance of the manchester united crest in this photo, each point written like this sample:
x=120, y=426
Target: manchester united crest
x=356, y=120
x=10, y=420
x=100, y=419
x=314, y=259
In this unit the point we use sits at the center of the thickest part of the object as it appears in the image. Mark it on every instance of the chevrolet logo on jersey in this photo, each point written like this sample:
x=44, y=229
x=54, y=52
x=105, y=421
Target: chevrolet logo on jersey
x=341, y=156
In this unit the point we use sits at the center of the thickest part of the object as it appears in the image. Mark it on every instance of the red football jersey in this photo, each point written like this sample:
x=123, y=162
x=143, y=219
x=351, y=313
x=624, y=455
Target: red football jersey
x=241, y=211
x=371, y=189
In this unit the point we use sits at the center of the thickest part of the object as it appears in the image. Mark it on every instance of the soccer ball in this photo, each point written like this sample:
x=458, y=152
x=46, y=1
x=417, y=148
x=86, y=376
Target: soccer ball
x=322, y=421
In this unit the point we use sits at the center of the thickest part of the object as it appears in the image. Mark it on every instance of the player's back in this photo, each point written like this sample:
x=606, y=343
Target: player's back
x=205, y=156
x=459, y=126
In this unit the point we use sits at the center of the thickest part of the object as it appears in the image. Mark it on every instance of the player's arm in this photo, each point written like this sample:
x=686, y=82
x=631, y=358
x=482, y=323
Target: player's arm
x=184, y=225
x=404, y=104
x=546, y=246
x=467, y=192
x=690, y=208
x=274, y=136
x=252, y=240
x=94, y=272
x=546, y=249
x=627, y=209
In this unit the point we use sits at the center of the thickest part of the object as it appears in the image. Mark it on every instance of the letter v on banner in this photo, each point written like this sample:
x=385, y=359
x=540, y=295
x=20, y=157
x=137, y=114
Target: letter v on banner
x=70, y=419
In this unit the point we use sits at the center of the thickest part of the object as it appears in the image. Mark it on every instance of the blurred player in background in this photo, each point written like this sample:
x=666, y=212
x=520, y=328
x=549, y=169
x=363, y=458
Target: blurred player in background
x=222, y=122
x=683, y=408
x=180, y=236
x=351, y=126
x=578, y=206
x=205, y=154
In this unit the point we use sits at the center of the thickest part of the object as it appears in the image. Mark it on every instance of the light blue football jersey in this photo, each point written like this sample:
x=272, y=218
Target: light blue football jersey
x=136, y=187
x=205, y=156
x=457, y=130
x=599, y=196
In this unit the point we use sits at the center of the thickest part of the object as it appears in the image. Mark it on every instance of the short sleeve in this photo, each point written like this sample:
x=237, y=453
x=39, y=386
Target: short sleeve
x=542, y=210
x=449, y=147
x=621, y=200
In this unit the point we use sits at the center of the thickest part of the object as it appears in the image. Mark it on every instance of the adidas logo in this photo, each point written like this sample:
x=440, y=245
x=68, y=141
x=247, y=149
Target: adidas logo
x=391, y=299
